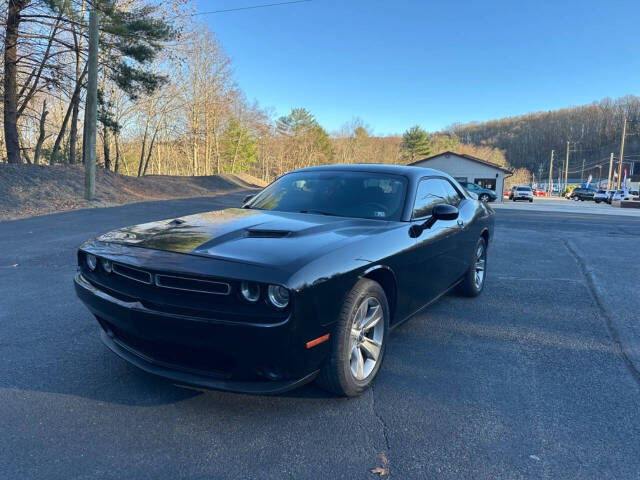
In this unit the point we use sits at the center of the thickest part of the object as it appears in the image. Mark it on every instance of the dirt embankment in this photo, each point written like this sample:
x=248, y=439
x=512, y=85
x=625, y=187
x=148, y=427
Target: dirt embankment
x=27, y=190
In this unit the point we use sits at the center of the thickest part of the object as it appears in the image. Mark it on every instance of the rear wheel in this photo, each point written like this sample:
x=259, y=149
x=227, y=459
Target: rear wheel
x=358, y=344
x=473, y=282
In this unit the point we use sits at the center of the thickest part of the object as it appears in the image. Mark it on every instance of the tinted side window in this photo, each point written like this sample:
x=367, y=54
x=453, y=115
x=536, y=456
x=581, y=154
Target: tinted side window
x=431, y=192
x=451, y=194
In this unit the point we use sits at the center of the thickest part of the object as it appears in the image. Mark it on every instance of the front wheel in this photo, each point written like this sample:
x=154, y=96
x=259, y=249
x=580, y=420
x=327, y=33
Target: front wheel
x=473, y=281
x=484, y=197
x=358, y=344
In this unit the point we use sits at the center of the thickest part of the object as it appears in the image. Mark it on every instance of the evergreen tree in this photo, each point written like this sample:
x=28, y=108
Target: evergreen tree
x=415, y=142
x=240, y=147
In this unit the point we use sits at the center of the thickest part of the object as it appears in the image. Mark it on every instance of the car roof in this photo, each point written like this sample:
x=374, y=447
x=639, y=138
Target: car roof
x=413, y=172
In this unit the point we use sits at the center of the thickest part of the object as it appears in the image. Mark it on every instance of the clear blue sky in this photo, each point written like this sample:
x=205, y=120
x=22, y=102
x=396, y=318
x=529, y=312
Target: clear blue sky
x=400, y=63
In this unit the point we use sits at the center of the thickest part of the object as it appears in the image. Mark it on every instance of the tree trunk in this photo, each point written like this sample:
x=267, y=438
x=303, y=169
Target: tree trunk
x=153, y=140
x=106, y=147
x=75, y=98
x=117, y=143
x=144, y=146
x=12, y=141
x=42, y=136
x=73, y=132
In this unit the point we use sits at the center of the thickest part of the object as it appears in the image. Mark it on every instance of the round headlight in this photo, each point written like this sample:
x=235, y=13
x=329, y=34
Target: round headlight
x=107, y=265
x=92, y=261
x=278, y=296
x=250, y=291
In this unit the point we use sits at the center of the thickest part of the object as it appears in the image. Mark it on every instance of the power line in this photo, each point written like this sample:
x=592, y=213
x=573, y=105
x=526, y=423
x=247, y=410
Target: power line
x=248, y=8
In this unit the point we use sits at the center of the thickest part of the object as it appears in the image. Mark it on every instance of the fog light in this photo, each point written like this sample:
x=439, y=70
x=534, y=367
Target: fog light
x=92, y=261
x=278, y=296
x=250, y=291
x=106, y=265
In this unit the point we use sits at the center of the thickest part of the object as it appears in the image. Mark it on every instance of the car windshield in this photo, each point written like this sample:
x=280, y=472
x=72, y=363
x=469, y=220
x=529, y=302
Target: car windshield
x=524, y=189
x=339, y=193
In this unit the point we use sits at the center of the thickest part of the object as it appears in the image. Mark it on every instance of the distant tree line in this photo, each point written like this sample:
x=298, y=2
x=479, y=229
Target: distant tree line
x=593, y=132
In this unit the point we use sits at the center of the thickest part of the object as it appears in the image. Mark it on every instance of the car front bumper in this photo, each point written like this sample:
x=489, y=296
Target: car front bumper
x=219, y=355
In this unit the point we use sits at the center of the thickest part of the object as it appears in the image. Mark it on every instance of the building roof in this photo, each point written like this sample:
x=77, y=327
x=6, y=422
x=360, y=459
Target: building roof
x=468, y=157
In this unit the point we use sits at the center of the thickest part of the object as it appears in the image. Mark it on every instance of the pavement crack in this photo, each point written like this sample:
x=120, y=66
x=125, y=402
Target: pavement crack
x=383, y=428
x=611, y=326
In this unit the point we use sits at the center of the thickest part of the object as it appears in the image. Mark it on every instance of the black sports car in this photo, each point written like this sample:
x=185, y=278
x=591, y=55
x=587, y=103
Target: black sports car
x=305, y=281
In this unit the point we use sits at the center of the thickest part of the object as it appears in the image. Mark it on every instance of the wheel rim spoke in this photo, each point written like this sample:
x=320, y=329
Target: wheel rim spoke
x=372, y=319
x=361, y=314
x=371, y=347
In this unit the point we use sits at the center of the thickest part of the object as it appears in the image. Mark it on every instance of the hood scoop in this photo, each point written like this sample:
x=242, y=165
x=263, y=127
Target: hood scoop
x=257, y=233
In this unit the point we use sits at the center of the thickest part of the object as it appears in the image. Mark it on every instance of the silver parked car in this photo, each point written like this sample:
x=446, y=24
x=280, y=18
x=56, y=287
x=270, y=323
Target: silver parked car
x=521, y=192
x=603, y=196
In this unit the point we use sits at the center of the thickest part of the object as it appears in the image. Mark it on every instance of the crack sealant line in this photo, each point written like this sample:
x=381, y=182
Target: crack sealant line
x=383, y=425
x=611, y=327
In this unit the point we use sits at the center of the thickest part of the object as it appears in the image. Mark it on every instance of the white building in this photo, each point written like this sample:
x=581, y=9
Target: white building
x=466, y=168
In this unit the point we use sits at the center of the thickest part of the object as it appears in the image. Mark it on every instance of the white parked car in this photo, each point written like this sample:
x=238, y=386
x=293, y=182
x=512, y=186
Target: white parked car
x=521, y=192
x=624, y=195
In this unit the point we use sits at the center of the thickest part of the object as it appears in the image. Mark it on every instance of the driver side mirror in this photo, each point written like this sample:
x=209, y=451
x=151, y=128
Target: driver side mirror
x=441, y=211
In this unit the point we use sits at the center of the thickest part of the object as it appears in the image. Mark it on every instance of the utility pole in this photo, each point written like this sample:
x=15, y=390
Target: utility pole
x=624, y=134
x=91, y=109
x=610, y=171
x=566, y=167
x=582, y=173
x=599, y=176
x=550, y=187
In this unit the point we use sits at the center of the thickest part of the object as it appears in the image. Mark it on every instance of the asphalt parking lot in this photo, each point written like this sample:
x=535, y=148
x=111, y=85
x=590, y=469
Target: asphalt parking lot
x=536, y=378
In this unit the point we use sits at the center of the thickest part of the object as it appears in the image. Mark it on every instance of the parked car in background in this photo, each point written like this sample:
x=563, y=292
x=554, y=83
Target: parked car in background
x=539, y=193
x=582, y=194
x=521, y=192
x=601, y=196
x=484, y=194
x=624, y=195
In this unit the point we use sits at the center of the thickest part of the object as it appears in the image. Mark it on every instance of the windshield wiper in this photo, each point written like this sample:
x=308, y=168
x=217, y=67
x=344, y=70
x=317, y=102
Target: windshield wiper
x=318, y=212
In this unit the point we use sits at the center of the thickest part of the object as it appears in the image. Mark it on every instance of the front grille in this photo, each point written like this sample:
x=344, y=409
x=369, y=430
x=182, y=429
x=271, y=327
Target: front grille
x=175, y=293
x=193, y=284
x=132, y=273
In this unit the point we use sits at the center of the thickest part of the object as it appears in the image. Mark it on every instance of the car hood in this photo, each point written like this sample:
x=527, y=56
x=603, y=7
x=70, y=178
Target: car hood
x=249, y=236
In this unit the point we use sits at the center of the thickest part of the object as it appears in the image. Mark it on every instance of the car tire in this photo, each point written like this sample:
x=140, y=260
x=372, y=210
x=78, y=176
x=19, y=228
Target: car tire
x=469, y=286
x=530, y=200
x=514, y=199
x=484, y=197
x=340, y=372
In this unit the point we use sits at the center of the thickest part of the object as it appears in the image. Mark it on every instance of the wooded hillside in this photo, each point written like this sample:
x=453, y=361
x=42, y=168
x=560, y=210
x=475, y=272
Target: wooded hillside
x=594, y=131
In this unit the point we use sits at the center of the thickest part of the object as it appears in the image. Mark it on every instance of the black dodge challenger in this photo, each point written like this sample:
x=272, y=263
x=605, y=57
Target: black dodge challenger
x=304, y=282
